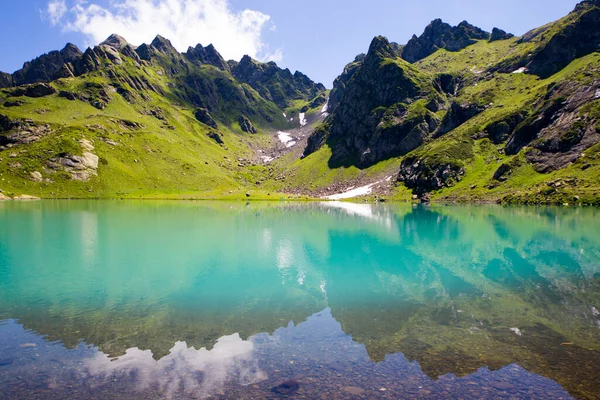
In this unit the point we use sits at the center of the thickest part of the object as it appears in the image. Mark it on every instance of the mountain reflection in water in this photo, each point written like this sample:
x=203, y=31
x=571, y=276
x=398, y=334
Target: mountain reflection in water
x=471, y=302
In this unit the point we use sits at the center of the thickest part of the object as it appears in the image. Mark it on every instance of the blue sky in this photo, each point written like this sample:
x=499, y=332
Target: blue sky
x=317, y=37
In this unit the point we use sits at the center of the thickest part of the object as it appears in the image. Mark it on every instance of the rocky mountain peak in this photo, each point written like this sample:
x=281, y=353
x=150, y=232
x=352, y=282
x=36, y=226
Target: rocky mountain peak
x=207, y=55
x=379, y=49
x=586, y=4
x=499, y=34
x=116, y=41
x=440, y=35
x=162, y=45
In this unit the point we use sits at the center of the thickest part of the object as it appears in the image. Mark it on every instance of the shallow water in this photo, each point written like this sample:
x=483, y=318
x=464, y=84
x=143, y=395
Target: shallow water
x=128, y=300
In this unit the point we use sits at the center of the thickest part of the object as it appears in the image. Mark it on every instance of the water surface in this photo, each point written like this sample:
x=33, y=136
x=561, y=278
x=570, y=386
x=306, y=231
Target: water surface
x=102, y=299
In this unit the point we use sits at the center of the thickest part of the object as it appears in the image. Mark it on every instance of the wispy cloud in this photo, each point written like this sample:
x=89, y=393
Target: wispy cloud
x=184, y=22
x=56, y=10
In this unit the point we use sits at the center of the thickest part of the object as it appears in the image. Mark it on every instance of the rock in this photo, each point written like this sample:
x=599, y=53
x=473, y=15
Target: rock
x=440, y=35
x=44, y=68
x=425, y=175
x=38, y=90
x=36, y=176
x=576, y=39
x=115, y=41
x=339, y=85
x=274, y=83
x=216, y=136
x=14, y=103
x=499, y=34
x=287, y=388
x=356, y=391
x=86, y=145
x=374, y=121
x=206, y=55
x=502, y=173
x=81, y=168
x=246, y=125
x=203, y=116
x=458, y=115
x=247, y=194
x=26, y=197
x=3, y=197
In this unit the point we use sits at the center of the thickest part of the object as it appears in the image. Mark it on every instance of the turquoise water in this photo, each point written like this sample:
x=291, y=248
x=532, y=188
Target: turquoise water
x=102, y=299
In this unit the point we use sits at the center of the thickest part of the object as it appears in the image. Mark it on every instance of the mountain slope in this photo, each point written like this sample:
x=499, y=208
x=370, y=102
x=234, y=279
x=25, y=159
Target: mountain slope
x=494, y=119
x=118, y=121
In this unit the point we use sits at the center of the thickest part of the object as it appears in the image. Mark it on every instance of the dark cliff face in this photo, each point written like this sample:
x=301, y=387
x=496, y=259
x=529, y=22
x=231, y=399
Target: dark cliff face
x=275, y=84
x=376, y=109
x=44, y=68
x=339, y=85
x=440, y=35
x=206, y=55
x=573, y=41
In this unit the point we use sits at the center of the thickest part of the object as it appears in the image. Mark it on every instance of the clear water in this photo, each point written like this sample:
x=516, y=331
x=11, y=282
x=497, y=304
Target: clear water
x=149, y=300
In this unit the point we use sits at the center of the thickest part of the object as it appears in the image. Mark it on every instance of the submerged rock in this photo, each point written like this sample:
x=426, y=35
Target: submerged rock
x=287, y=388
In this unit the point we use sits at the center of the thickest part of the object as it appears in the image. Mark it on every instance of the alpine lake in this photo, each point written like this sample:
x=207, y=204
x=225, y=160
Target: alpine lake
x=263, y=300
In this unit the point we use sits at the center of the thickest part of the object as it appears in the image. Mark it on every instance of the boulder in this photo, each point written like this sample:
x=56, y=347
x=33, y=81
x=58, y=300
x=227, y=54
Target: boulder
x=246, y=125
x=203, y=116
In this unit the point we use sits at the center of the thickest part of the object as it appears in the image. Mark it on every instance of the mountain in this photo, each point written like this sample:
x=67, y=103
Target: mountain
x=117, y=119
x=462, y=114
x=455, y=114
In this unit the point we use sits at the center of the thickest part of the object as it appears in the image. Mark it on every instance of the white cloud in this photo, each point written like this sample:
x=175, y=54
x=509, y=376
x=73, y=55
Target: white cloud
x=184, y=22
x=56, y=10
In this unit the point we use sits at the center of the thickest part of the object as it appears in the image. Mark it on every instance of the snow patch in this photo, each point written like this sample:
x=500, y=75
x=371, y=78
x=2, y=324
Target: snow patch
x=356, y=192
x=517, y=331
x=290, y=144
x=284, y=137
x=302, y=118
x=267, y=159
x=520, y=70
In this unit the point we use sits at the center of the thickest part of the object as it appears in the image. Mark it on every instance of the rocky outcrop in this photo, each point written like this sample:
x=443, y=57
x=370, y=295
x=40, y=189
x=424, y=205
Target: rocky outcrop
x=6, y=80
x=80, y=167
x=376, y=118
x=339, y=85
x=422, y=176
x=440, y=35
x=206, y=55
x=45, y=68
x=561, y=128
x=458, y=115
x=34, y=90
x=203, y=116
x=499, y=131
x=499, y=34
x=216, y=136
x=93, y=93
x=575, y=40
x=276, y=84
x=246, y=125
